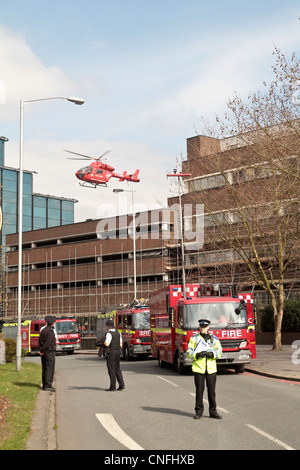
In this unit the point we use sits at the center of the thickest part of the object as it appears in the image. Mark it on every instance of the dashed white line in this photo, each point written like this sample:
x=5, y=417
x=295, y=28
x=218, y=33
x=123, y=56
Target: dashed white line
x=112, y=427
x=168, y=381
x=268, y=436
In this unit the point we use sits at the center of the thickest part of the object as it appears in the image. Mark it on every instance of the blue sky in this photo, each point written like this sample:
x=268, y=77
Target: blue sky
x=148, y=71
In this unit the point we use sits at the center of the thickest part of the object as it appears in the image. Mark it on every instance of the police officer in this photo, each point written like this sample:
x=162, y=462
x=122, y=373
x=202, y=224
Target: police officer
x=47, y=345
x=204, y=349
x=114, y=341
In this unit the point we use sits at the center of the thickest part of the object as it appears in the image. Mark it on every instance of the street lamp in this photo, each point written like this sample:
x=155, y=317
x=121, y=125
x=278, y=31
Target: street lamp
x=133, y=228
x=179, y=176
x=74, y=100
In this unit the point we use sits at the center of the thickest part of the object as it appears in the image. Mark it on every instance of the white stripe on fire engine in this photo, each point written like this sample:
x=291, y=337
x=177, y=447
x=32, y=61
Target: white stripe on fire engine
x=112, y=427
x=206, y=401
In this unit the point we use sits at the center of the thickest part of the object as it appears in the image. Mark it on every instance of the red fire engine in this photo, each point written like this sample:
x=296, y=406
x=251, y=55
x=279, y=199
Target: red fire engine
x=174, y=320
x=134, y=325
x=66, y=328
x=68, y=336
x=10, y=329
x=30, y=331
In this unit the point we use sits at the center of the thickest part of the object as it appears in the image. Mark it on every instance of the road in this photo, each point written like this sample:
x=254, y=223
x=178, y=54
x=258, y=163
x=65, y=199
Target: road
x=156, y=410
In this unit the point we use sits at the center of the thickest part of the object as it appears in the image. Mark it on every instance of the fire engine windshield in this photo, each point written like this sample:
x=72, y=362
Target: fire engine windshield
x=221, y=315
x=66, y=327
x=141, y=320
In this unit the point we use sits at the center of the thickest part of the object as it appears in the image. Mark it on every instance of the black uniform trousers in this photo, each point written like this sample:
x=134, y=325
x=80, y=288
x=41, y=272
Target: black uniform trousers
x=114, y=369
x=48, y=366
x=210, y=380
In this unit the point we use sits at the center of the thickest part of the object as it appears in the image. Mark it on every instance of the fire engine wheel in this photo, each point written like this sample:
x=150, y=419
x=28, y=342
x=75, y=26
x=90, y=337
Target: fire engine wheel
x=179, y=367
x=161, y=363
x=240, y=368
x=126, y=352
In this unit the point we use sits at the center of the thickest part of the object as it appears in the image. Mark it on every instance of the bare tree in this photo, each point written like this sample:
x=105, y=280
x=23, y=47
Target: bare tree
x=252, y=199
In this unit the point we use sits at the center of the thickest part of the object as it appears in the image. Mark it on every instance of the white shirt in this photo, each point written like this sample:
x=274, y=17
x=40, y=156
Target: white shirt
x=109, y=338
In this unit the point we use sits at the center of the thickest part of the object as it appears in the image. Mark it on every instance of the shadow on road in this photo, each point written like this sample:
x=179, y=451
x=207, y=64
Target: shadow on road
x=172, y=411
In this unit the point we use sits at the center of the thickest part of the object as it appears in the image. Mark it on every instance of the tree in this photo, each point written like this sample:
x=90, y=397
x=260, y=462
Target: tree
x=254, y=204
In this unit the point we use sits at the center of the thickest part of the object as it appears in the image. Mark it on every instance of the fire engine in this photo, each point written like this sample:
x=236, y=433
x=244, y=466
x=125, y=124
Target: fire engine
x=28, y=339
x=66, y=328
x=68, y=337
x=133, y=323
x=174, y=320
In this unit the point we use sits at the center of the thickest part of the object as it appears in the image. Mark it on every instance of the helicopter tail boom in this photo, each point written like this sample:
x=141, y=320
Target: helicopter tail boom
x=124, y=176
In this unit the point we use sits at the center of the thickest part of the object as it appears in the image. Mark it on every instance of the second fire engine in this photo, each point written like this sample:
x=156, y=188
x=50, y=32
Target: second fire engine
x=133, y=323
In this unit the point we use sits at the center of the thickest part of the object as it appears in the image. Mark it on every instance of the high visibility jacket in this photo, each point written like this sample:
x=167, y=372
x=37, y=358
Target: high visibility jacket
x=204, y=364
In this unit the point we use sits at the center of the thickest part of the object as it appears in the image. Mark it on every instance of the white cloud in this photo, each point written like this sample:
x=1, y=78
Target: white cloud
x=240, y=63
x=25, y=76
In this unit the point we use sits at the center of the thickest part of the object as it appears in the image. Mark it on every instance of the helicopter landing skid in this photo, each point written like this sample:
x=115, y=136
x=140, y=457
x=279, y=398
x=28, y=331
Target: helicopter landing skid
x=90, y=185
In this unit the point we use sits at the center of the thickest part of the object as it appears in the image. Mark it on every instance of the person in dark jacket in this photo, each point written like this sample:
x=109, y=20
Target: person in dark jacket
x=103, y=350
x=47, y=345
x=114, y=342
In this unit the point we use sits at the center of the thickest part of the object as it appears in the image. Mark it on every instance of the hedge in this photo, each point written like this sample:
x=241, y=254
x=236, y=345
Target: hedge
x=11, y=350
x=290, y=321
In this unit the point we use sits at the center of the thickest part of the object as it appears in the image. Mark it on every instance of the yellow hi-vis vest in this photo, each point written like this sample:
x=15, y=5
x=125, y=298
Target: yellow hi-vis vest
x=204, y=364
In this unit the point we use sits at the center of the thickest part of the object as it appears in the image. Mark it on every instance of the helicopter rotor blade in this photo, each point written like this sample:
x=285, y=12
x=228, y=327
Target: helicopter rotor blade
x=86, y=157
x=80, y=154
x=81, y=159
x=105, y=153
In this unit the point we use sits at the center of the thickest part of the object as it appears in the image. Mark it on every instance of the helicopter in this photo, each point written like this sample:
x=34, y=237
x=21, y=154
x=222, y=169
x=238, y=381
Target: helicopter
x=99, y=173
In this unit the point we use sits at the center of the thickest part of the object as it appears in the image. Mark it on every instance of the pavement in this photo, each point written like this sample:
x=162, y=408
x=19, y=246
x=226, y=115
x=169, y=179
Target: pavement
x=282, y=365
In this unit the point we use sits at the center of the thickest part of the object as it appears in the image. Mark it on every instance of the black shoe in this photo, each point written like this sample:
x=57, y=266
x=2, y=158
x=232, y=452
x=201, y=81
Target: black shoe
x=110, y=389
x=197, y=416
x=215, y=416
x=48, y=389
x=121, y=388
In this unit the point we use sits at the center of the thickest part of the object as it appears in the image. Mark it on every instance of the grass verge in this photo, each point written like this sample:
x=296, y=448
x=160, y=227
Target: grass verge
x=20, y=389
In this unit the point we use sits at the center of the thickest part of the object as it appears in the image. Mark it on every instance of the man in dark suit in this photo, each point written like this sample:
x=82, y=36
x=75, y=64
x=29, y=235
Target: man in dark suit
x=47, y=345
x=114, y=342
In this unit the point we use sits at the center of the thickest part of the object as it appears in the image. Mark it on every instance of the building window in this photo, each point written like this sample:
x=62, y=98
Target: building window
x=67, y=212
x=54, y=212
x=39, y=212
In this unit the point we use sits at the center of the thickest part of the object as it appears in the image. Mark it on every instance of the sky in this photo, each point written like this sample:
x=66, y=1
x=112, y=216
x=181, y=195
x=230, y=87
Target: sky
x=149, y=72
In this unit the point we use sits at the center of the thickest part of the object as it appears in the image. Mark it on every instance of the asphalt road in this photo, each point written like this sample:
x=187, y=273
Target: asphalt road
x=155, y=411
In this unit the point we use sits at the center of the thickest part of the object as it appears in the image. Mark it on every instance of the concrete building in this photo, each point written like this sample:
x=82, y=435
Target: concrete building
x=231, y=176
x=85, y=267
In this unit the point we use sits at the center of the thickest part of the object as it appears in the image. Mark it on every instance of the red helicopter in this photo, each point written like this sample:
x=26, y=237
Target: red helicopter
x=98, y=173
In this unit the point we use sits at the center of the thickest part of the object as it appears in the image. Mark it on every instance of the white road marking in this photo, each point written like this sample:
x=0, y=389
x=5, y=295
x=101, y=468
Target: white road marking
x=206, y=401
x=168, y=381
x=268, y=436
x=112, y=427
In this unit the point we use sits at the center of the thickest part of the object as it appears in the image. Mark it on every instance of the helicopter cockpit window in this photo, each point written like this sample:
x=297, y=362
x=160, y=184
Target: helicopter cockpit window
x=84, y=168
x=99, y=172
x=89, y=170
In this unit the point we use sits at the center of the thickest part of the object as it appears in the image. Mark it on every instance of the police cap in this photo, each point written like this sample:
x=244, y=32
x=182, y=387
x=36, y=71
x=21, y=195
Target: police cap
x=50, y=319
x=203, y=323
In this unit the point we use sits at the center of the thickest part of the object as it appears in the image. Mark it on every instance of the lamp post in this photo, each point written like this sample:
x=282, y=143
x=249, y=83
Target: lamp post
x=179, y=176
x=74, y=100
x=133, y=229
